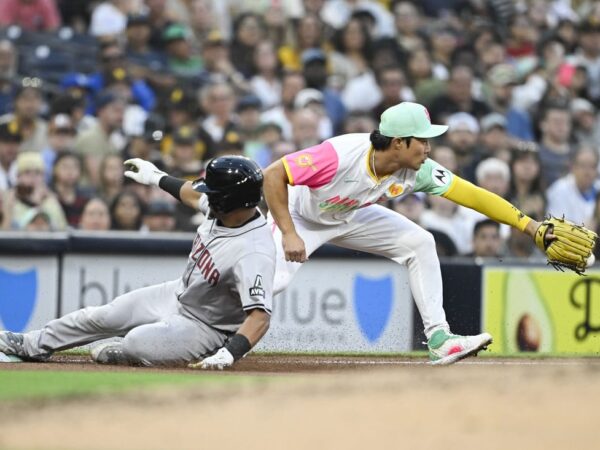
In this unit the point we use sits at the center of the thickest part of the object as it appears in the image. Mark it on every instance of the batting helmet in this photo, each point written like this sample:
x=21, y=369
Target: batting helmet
x=231, y=182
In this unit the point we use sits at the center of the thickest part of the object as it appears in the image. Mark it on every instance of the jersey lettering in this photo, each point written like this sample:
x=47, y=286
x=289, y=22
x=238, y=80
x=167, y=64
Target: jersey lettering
x=257, y=290
x=339, y=204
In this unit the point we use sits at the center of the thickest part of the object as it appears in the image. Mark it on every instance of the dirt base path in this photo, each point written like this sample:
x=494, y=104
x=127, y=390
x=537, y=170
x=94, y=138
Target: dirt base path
x=383, y=403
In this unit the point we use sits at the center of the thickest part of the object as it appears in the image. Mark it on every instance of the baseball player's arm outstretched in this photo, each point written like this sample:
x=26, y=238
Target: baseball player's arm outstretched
x=276, y=196
x=144, y=172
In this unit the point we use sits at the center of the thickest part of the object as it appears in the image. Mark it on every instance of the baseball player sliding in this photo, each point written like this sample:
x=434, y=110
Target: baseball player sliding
x=328, y=193
x=221, y=303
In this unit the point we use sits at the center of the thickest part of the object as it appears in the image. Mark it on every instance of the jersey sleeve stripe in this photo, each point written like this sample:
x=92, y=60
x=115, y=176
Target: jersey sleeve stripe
x=288, y=171
x=257, y=306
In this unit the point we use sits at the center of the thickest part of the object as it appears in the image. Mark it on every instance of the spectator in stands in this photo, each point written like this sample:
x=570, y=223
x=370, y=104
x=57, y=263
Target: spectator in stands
x=588, y=56
x=248, y=118
x=126, y=212
x=308, y=34
x=266, y=83
x=160, y=19
x=35, y=220
x=30, y=192
x=450, y=219
x=522, y=37
x=574, y=195
x=487, y=242
x=181, y=60
x=95, y=143
x=305, y=128
x=314, y=62
x=8, y=71
x=73, y=104
x=527, y=188
x=291, y=84
x=31, y=15
x=493, y=174
x=28, y=107
x=586, y=127
x=138, y=48
x=359, y=122
x=10, y=139
x=555, y=148
x=351, y=56
x=444, y=42
x=218, y=101
x=159, y=216
x=217, y=64
x=202, y=21
x=65, y=183
x=184, y=162
x=95, y=216
x=462, y=137
x=61, y=138
x=392, y=84
x=314, y=100
x=458, y=97
x=111, y=178
x=145, y=143
x=247, y=33
x=501, y=80
x=408, y=21
x=445, y=156
x=421, y=79
x=494, y=140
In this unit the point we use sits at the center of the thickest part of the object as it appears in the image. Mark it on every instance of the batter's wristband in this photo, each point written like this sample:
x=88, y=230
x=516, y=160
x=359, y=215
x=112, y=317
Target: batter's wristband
x=238, y=346
x=171, y=185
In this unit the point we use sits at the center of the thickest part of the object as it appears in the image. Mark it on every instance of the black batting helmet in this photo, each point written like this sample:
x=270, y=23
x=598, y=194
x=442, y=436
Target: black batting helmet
x=231, y=182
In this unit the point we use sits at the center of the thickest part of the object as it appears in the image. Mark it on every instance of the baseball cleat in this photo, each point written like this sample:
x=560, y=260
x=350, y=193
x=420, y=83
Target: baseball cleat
x=109, y=353
x=4, y=358
x=447, y=348
x=11, y=343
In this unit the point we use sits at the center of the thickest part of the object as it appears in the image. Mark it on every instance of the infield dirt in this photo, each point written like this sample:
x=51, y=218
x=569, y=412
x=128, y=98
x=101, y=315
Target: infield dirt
x=328, y=403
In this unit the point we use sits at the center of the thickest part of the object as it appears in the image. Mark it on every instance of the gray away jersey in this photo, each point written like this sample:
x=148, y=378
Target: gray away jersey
x=229, y=272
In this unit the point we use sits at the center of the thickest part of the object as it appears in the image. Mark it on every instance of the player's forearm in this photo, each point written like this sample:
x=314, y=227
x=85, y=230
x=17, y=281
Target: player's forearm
x=488, y=203
x=189, y=196
x=255, y=326
x=180, y=189
x=276, y=195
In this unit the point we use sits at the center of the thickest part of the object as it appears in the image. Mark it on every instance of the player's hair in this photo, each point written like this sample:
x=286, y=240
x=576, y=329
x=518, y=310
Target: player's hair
x=379, y=141
x=485, y=223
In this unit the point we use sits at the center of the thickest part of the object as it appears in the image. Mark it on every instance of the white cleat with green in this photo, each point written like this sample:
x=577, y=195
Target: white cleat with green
x=447, y=348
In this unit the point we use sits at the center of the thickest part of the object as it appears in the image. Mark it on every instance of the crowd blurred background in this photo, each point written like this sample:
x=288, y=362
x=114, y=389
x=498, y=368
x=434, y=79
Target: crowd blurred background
x=85, y=85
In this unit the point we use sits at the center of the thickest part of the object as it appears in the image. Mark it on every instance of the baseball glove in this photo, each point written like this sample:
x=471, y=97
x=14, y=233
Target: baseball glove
x=572, y=245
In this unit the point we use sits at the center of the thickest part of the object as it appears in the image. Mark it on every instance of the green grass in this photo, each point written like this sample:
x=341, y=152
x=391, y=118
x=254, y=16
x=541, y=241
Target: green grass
x=28, y=385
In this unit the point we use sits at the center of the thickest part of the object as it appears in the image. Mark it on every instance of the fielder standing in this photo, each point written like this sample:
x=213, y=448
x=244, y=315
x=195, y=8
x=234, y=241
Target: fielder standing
x=329, y=194
x=221, y=303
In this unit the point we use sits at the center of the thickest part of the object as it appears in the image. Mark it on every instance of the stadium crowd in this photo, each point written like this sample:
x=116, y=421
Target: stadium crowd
x=87, y=85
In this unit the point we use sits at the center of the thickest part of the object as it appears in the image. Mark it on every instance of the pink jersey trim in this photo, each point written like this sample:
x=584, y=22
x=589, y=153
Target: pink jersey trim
x=313, y=167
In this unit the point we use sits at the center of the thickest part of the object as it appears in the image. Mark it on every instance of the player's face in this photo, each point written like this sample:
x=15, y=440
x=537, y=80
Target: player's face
x=415, y=153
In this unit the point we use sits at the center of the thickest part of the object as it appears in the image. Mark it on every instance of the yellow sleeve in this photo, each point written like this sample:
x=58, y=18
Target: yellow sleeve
x=485, y=202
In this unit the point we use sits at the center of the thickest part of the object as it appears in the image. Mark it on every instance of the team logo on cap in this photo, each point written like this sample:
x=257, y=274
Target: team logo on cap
x=427, y=114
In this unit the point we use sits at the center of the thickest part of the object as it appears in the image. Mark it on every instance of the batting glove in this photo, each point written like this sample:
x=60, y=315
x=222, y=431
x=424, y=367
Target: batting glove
x=144, y=172
x=223, y=358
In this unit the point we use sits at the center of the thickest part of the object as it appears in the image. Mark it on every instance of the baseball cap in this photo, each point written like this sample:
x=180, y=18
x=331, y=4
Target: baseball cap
x=582, y=105
x=62, y=123
x=137, y=19
x=174, y=32
x=502, y=75
x=29, y=161
x=493, y=120
x=160, y=208
x=184, y=135
x=10, y=132
x=313, y=54
x=214, y=38
x=409, y=119
x=306, y=96
x=250, y=101
x=105, y=98
x=462, y=121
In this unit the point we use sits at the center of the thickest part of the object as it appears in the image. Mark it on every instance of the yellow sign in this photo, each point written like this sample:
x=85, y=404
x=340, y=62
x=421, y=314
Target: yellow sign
x=542, y=311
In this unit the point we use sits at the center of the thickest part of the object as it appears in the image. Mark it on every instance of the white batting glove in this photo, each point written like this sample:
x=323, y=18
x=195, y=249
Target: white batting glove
x=144, y=172
x=218, y=361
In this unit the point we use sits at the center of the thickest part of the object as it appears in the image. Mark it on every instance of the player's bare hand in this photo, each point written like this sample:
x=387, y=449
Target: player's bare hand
x=220, y=360
x=293, y=247
x=144, y=172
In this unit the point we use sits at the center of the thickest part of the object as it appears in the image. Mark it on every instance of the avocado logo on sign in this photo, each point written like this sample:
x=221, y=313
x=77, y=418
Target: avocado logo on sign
x=373, y=299
x=18, y=292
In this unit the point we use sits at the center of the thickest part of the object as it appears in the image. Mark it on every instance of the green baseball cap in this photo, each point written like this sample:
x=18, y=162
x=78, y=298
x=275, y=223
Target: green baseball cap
x=408, y=119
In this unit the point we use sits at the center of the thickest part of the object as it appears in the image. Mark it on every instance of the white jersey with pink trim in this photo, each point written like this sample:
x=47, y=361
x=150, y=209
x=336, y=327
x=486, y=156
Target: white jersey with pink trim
x=330, y=181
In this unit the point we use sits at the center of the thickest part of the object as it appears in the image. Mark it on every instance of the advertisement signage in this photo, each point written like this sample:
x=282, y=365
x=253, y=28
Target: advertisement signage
x=342, y=306
x=28, y=292
x=542, y=311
